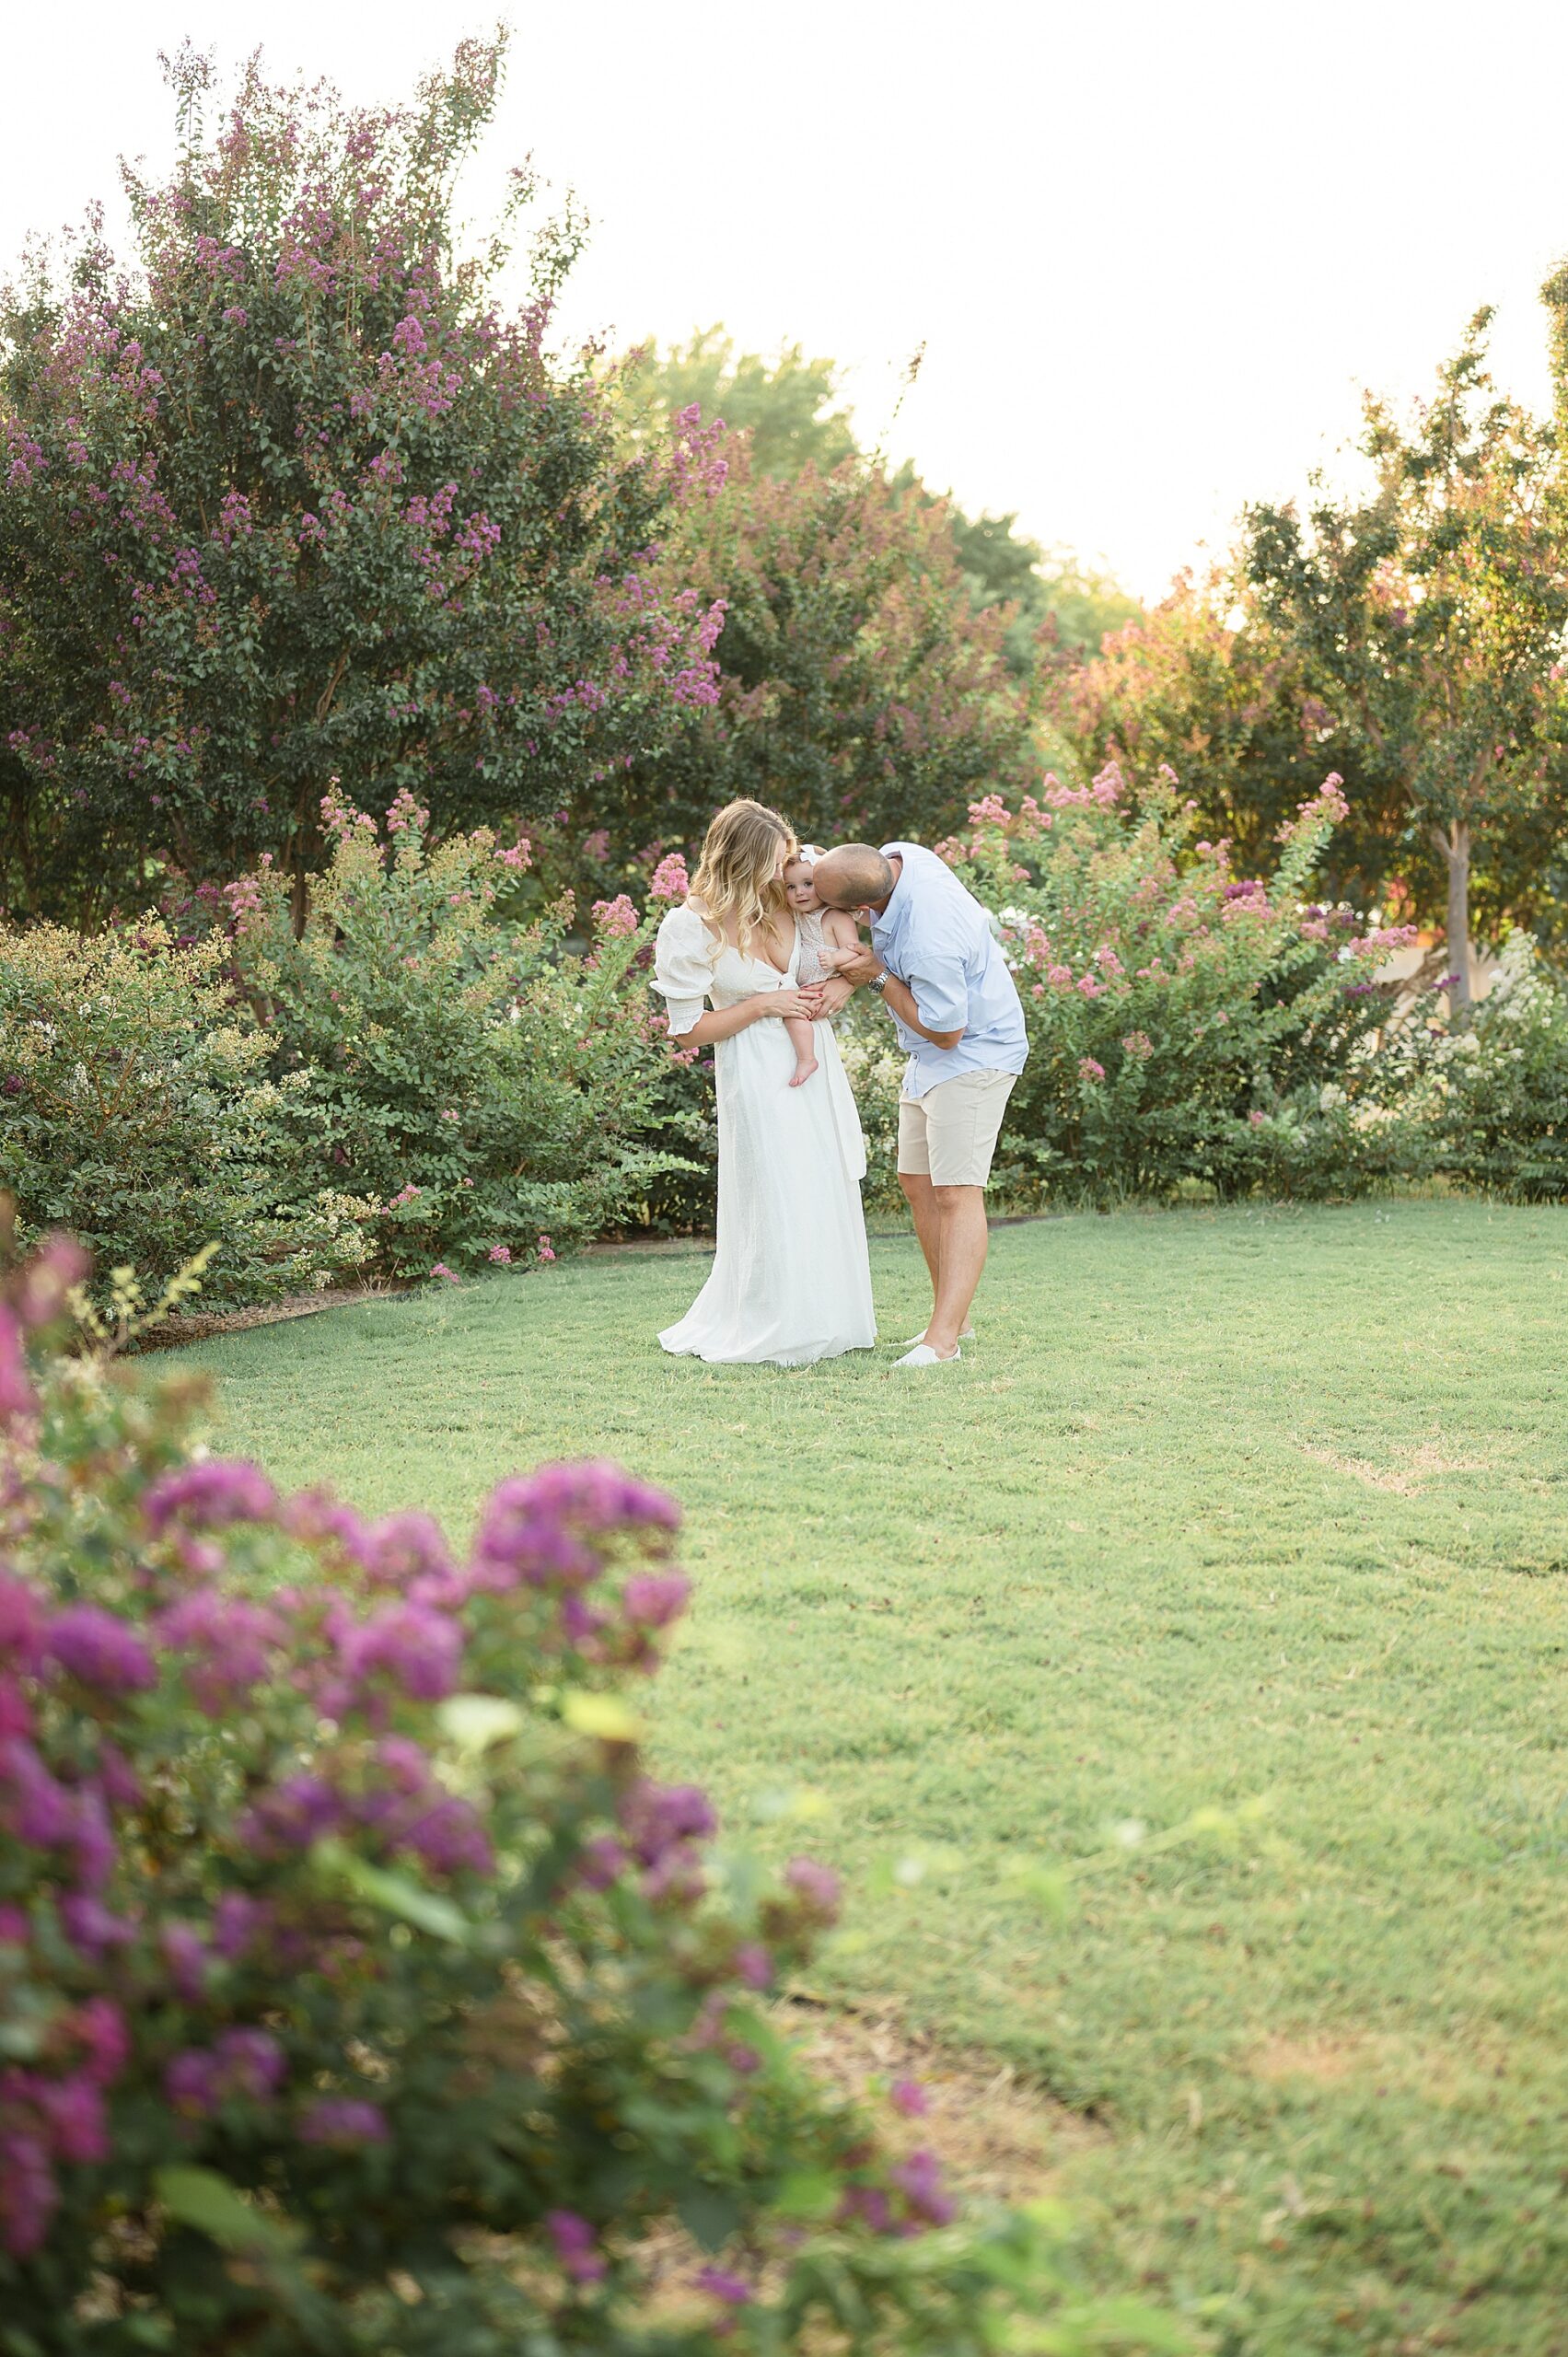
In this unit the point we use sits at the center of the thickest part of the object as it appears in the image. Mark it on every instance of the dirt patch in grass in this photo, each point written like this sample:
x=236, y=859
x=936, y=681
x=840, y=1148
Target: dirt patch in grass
x=1001, y=2138
x=1405, y=1478
x=1325, y=2062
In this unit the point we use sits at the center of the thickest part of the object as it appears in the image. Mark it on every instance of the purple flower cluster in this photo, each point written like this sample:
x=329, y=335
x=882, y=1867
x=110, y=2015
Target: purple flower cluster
x=241, y=2065
x=216, y=1773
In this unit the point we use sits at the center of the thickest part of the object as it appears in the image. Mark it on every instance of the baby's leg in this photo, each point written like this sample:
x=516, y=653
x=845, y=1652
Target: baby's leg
x=805, y=1047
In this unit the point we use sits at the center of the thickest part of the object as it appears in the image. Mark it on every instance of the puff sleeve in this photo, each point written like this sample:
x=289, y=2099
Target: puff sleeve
x=683, y=967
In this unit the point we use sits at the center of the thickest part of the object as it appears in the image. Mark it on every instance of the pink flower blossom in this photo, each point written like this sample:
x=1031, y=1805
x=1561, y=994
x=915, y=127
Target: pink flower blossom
x=500, y=1254
x=441, y=1269
x=720, y=2284
x=652, y=1599
x=99, y=1650
x=342, y=2121
x=817, y=1886
x=617, y=917
x=211, y=1493
x=1090, y=1068
x=575, y=2246
x=545, y=1249
x=670, y=881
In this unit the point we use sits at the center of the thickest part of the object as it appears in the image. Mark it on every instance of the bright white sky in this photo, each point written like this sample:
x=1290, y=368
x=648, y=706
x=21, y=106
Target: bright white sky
x=1153, y=250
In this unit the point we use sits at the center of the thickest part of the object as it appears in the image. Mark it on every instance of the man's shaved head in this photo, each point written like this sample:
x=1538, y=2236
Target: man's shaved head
x=854, y=876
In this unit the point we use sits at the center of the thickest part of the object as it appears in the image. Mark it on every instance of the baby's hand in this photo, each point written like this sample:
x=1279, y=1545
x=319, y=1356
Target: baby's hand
x=834, y=960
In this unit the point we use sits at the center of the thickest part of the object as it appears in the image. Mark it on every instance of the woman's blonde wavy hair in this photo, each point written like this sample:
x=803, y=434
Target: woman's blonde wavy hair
x=738, y=877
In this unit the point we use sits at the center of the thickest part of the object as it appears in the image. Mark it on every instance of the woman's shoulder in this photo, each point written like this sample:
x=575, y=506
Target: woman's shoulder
x=685, y=929
x=685, y=921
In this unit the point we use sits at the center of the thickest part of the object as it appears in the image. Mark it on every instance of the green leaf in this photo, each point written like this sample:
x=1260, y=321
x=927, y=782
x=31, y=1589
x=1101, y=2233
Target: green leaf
x=808, y=2193
x=709, y=2215
x=202, y=2198
x=473, y=1722
x=396, y=1894
x=603, y=1715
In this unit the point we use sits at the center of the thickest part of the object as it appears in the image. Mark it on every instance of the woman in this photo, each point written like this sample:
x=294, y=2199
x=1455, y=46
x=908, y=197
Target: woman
x=791, y=1281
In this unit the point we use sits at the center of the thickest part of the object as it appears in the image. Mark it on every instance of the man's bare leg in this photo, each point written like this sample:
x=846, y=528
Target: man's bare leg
x=962, y=1239
x=922, y=1198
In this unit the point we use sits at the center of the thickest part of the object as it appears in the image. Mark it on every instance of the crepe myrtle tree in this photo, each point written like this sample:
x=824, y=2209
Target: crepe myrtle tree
x=858, y=688
x=292, y=497
x=1433, y=615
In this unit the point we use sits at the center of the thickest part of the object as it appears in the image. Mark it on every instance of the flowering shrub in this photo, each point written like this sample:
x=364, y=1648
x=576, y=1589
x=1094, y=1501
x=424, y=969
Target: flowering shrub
x=1505, y=1117
x=484, y=1085
x=874, y=1065
x=133, y=1110
x=856, y=687
x=301, y=490
x=359, y=1991
x=1185, y=1023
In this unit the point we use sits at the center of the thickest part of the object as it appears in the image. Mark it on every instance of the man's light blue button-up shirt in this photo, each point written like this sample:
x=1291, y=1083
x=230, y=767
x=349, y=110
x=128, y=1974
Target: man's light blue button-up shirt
x=935, y=937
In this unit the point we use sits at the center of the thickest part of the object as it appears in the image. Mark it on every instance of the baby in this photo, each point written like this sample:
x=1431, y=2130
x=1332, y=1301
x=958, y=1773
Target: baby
x=827, y=938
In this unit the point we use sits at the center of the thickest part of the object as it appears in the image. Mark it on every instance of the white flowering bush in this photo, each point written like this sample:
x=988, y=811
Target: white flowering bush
x=135, y=1110
x=1506, y=1116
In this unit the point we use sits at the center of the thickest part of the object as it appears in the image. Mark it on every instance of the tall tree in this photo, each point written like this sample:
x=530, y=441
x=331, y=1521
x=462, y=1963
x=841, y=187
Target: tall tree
x=859, y=689
x=792, y=411
x=1432, y=617
x=1207, y=686
x=788, y=407
x=292, y=499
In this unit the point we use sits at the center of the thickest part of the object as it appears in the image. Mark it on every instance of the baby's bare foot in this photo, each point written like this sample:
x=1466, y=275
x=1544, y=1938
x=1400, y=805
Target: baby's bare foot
x=803, y=1072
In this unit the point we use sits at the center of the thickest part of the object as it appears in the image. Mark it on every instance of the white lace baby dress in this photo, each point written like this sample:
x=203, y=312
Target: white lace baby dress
x=809, y=967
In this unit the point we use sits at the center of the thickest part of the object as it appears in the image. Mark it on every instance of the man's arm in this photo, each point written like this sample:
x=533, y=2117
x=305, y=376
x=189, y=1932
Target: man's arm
x=902, y=1001
x=945, y=992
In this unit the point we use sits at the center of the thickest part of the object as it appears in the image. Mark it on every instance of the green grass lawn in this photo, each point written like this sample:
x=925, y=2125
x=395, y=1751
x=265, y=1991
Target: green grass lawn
x=1224, y=1504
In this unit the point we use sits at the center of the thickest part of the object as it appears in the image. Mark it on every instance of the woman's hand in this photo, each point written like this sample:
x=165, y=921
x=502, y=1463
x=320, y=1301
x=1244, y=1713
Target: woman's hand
x=783, y=1004
x=829, y=996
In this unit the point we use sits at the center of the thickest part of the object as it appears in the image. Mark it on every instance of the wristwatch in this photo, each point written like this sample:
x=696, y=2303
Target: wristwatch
x=879, y=981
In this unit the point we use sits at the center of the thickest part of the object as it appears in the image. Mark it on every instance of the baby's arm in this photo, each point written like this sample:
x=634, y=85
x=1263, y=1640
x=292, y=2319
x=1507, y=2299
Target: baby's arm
x=841, y=939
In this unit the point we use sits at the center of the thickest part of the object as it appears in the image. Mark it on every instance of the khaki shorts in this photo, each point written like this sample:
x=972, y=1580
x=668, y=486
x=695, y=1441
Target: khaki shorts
x=950, y=1134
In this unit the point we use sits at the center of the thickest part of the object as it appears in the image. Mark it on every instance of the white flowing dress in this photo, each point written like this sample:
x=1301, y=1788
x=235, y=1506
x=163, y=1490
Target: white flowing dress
x=791, y=1280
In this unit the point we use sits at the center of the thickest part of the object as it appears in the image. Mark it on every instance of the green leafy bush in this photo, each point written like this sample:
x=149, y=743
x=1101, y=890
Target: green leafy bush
x=489, y=1089
x=135, y=1109
x=1506, y=1113
x=360, y=1992
x=1185, y=1023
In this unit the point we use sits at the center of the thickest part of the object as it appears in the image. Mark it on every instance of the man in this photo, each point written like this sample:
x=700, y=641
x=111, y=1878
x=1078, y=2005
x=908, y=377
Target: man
x=938, y=969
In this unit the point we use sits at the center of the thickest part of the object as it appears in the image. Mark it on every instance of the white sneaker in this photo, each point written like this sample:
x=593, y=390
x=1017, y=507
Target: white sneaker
x=967, y=1336
x=924, y=1355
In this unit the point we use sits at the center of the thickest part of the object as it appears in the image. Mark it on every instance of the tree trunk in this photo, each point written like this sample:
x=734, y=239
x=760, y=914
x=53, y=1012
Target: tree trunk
x=1454, y=842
